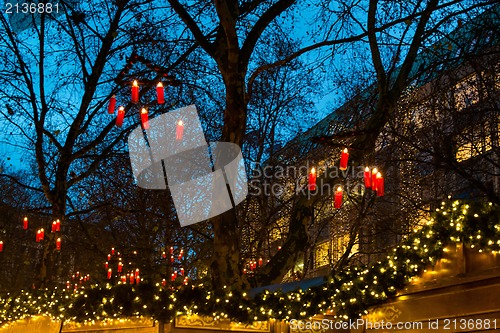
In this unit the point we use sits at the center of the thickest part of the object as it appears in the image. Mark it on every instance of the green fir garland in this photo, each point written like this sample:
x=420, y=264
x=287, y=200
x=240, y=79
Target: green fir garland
x=348, y=294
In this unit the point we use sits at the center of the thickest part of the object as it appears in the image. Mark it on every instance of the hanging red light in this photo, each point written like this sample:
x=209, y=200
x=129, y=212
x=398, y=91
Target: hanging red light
x=135, y=92
x=344, y=158
x=338, y=198
x=312, y=180
x=374, y=178
x=144, y=118
x=112, y=105
x=120, y=116
x=160, y=93
x=179, y=130
x=368, y=178
x=380, y=184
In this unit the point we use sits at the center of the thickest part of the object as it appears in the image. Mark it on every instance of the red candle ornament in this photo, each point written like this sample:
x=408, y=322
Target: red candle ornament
x=172, y=277
x=181, y=272
x=164, y=255
x=171, y=250
x=368, y=178
x=160, y=93
x=42, y=234
x=120, y=116
x=120, y=267
x=132, y=279
x=58, y=225
x=144, y=118
x=136, y=273
x=180, y=254
x=380, y=184
x=38, y=236
x=1, y=246
x=25, y=223
x=163, y=283
x=58, y=244
x=53, y=227
x=172, y=259
x=112, y=251
x=110, y=271
x=312, y=180
x=179, y=130
x=124, y=279
x=137, y=279
x=344, y=158
x=175, y=275
x=338, y=197
x=135, y=92
x=185, y=281
x=109, y=257
x=112, y=104
x=374, y=178
x=260, y=262
x=106, y=265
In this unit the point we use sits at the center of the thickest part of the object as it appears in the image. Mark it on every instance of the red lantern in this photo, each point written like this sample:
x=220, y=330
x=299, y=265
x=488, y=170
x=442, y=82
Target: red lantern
x=338, y=197
x=312, y=180
x=58, y=244
x=120, y=116
x=110, y=271
x=380, y=184
x=374, y=178
x=344, y=158
x=160, y=93
x=179, y=130
x=25, y=223
x=112, y=105
x=135, y=92
x=368, y=178
x=144, y=119
x=1, y=246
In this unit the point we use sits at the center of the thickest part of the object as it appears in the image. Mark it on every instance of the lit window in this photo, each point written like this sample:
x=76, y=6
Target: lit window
x=466, y=93
x=473, y=142
x=322, y=255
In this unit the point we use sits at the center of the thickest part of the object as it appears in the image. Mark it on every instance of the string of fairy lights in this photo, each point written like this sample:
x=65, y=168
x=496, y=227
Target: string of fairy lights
x=348, y=294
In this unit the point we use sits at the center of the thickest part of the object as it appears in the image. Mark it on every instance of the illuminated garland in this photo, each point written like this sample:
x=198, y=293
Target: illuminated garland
x=348, y=294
